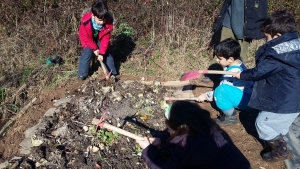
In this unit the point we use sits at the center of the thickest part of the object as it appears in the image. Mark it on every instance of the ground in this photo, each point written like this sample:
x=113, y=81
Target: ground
x=134, y=107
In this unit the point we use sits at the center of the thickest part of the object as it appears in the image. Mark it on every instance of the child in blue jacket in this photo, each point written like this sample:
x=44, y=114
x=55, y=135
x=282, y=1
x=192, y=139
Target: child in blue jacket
x=232, y=93
x=276, y=91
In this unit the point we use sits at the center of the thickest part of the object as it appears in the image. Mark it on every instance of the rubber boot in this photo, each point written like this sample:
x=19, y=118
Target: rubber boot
x=279, y=151
x=223, y=119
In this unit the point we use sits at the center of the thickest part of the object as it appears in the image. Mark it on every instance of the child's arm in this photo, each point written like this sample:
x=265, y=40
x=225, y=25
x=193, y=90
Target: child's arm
x=86, y=39
x=265, y=68
x=209, y=96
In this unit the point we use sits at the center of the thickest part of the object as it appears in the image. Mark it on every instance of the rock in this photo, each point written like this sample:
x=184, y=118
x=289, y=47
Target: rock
x=50, y=112
x=26, y=143
x=60, y=131
x=36, y=141
x=24, y=151
x=85, y=128
x=61, y=101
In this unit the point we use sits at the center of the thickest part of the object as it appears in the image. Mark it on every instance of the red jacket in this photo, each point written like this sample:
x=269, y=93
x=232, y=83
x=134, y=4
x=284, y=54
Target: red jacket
x=86, y=33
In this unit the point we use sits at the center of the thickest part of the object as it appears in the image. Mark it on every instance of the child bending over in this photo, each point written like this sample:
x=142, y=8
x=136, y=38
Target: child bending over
x=94, y=34
x=231, y=93
x=192, y=141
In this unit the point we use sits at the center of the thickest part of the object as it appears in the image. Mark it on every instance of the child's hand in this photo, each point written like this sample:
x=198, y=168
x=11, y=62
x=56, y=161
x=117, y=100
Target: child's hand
x=237, y=75
x=145, y=142
x=96, y=52
x=201, y=98
x=100, y=57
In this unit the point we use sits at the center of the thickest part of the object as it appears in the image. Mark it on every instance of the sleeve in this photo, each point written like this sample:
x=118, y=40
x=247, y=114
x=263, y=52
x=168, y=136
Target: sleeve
x=104, y=44
x=262, y=70
x=209, y=95
x=163, y=137
x=85, y=39
x=154, y=160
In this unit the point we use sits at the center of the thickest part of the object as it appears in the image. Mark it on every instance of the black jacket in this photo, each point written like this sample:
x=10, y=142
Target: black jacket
x=276, y=75
x=255, y=14
x=213, y=151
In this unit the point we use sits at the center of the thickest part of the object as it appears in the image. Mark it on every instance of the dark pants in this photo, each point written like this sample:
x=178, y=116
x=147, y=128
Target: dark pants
x=85, y=60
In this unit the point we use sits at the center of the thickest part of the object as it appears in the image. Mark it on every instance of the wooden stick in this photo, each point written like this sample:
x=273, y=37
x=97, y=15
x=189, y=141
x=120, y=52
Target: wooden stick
x=216, y=72
x=167, y=83
x=104, y=70
x=20, y=113
x=117, y=129
x=180, y=98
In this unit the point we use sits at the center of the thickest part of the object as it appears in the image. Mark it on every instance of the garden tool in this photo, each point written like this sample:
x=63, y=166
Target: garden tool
x=197, y=73
x=101, y=123
x=106, y=73
x=180, y=98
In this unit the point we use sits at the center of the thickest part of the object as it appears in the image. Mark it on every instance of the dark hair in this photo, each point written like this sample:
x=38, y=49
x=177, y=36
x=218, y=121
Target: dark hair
x=228, y=48
x=278, y=22
x=99, y=9
x=188, y=118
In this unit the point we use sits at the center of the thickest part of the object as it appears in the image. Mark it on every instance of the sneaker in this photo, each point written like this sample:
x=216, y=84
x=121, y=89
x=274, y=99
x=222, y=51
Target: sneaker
x=224, y=120
x=206, y=80
x=81, y=78
x=113, y=78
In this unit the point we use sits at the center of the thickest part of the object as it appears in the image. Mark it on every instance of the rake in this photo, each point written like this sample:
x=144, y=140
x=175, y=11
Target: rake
x=197, y=73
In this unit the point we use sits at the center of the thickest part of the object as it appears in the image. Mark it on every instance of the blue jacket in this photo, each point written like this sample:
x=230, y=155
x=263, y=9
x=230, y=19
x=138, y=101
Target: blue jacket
x=255, y=12
x=276, y=75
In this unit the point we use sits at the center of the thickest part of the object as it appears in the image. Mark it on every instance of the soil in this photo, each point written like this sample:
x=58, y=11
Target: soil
x=132, y=106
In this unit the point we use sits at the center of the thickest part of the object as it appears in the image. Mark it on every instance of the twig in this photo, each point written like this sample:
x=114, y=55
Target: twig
x=21, y=113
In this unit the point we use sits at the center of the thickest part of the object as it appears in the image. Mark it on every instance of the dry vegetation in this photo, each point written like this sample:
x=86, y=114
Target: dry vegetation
x=151, y=38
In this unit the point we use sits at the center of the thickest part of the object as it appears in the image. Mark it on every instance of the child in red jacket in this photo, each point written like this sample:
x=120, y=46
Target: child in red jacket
x=94, y=34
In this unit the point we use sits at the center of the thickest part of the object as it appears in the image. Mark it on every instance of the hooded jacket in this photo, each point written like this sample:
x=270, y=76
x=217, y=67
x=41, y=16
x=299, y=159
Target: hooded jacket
x=213, y=151
x=86, y=33
x=276, y=75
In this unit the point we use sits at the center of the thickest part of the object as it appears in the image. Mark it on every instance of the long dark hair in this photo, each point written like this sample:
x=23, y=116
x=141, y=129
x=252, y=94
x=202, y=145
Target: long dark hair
x=189, y=118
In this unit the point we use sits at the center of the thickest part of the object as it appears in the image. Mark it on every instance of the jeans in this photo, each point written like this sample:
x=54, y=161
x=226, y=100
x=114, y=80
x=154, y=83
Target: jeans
x=85, y=60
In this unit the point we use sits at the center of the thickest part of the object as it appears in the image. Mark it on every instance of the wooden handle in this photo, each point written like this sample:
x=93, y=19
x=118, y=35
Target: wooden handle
x=118, y=130
x=104, y=69
x=216, y=72
x=180, y=98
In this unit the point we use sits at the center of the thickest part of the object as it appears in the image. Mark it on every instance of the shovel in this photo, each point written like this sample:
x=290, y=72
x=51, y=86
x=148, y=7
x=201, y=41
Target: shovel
x=180, y=98
x=106, y=73
x=197, y=73
x=116, y=129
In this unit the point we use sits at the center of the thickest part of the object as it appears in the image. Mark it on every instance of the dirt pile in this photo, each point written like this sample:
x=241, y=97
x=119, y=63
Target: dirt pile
x=65, y=137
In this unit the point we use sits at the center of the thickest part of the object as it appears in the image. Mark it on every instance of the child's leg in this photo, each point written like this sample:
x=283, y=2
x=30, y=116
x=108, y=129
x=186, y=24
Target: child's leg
x=270, y=125
x=110, y=63
x=229, y=97
x=84, y=62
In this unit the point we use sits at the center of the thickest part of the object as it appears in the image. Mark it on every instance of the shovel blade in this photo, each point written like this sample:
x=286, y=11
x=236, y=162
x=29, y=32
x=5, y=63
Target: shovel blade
x=190, y=75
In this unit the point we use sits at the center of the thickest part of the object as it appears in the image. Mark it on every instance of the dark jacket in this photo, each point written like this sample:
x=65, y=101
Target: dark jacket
x=277, y=75
x=204, y=151
x=255, y=13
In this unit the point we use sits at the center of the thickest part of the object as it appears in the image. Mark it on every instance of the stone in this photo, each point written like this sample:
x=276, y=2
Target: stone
x=26, y=143
x=50, y=112
x=61, y=101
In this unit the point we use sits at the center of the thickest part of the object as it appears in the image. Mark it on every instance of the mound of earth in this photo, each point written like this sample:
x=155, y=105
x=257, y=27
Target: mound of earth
x=57, y=131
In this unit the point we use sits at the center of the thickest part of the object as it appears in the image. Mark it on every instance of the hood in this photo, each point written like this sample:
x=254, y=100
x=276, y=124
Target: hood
x=286, y=48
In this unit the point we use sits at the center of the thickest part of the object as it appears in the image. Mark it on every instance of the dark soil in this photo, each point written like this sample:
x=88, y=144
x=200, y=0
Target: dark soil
x=132, y=106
